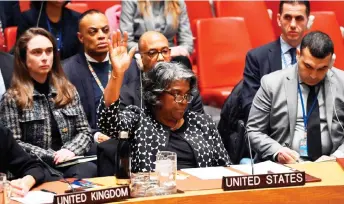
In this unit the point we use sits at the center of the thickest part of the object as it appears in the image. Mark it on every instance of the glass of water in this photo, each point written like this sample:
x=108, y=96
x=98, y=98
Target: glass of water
x=166, y=169
x=5, y=189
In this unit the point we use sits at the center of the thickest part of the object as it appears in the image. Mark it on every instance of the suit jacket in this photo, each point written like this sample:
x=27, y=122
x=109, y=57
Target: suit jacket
x=131, y=94
x=259, y=62
x=273, y=114
x=14, y=159
x=136, y=24
x=6, y=68
x=78, y=73
x=69, y=23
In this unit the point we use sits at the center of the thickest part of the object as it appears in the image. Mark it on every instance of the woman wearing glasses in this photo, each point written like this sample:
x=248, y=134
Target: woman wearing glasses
x=164, y=124
x=167, y=17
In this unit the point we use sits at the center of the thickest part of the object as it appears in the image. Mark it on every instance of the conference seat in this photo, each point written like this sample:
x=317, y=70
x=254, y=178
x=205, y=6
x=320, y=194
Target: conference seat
x=336, y=6
x=197, y=10
x=220, y=56
x=24, y=5
x=326, y=22
x=78, y=7
x=10, y=37
x=99, y=5
x=274, y=7
x=256, y=18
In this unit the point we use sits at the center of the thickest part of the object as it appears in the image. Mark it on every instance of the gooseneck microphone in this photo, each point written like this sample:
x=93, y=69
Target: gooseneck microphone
x=242, y=125
x=54, y=172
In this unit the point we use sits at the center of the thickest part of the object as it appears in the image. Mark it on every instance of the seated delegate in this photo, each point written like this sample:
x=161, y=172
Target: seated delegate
x=42, y=108
x=163, y=124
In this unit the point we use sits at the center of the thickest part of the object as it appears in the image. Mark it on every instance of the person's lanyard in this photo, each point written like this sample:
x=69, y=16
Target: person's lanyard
x=306, y=117
x=96, y=77
x=58, y=36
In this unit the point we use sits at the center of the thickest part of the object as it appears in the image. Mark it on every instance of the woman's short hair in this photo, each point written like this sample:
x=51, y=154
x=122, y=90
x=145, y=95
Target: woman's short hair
x=22, y=85
x=160, y=78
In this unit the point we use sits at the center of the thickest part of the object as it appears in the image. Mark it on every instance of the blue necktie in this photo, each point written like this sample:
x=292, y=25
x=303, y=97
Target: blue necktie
x=292, y=52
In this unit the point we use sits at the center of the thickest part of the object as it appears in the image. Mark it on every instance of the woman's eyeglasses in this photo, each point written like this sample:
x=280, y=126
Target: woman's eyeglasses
x=180, y=98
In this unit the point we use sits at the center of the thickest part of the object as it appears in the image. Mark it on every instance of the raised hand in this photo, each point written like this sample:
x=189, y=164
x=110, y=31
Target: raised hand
x=120, y=58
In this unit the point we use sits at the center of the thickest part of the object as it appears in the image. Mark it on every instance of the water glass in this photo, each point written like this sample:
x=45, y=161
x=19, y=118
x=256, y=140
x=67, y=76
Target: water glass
x=141, y=183
x=166, y=169
x=5, y=189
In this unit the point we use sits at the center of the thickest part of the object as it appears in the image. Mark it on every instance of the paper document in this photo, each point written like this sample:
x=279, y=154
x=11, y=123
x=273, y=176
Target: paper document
x=35, y=197
x=263, y=168
x=210, y=172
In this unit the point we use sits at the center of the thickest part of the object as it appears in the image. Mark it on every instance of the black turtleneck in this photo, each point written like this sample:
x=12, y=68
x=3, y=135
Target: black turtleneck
x=176, y=143
x=56, y=142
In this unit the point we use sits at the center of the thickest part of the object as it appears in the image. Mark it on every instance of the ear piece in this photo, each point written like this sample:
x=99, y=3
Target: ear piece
x=310, y=21
x=332, y=60
x=139, y=61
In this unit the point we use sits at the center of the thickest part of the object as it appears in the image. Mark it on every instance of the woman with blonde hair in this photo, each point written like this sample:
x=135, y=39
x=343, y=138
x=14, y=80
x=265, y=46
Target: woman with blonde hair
x=168, y=17
x=42, y=108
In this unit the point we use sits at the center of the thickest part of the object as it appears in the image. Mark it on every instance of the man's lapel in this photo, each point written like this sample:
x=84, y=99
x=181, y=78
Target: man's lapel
x=274, y=55
x=330, y=92
x=290, y=85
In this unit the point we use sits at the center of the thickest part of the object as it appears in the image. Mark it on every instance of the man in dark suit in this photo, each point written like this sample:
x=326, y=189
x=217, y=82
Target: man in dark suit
x=89, y=70
x=153, y=47
x=6, y=71
x=292, y=19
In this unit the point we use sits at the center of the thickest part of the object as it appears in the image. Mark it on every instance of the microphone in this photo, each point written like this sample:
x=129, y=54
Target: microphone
x=54, y=172
x=242, y=125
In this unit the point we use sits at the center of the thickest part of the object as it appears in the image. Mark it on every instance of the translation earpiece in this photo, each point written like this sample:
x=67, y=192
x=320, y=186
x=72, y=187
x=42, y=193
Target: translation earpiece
x=332, y=60
x=310, y=21
x=139, y=61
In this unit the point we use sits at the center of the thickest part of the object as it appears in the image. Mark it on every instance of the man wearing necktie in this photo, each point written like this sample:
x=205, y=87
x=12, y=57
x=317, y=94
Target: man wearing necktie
x=292, y=18
x=297, y=113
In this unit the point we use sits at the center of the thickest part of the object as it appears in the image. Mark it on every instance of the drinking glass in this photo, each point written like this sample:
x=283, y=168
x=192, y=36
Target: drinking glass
x=166, y=169
x=5, y=189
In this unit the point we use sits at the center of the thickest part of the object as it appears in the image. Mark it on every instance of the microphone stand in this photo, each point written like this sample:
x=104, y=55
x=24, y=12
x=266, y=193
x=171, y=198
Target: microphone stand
x=242, y=124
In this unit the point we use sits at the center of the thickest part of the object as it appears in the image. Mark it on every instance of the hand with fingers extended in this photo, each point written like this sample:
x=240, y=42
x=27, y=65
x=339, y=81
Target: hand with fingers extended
x=120, y=61
x=120, y=58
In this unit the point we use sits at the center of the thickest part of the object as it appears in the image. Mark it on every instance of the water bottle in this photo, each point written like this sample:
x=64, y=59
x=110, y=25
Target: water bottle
x=123, y=167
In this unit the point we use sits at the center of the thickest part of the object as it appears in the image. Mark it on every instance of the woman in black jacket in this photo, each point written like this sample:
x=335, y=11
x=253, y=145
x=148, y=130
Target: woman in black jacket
x=164, y=124
x=14, y=159
x=54, y=17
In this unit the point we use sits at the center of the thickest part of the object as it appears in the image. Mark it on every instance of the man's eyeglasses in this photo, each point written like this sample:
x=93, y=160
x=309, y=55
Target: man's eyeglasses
x=153, y=53
x=180, y=98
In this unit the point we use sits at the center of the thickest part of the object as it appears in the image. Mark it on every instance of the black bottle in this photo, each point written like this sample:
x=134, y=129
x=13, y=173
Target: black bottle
x=123, y=159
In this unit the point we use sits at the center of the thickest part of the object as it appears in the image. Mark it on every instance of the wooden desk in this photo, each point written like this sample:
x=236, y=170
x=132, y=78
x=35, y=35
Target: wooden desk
x=329, y=190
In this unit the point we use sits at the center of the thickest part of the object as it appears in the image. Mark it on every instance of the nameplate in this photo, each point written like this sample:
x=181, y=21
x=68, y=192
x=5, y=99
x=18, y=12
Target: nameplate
x=104, y=195
x=263, y=181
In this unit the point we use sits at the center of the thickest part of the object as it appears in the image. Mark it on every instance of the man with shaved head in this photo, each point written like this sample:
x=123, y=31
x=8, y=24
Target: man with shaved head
x=89, y=69
x=153, y=48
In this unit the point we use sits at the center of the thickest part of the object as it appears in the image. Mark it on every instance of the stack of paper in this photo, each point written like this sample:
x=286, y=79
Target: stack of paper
x=263, y=168
x=36, y=197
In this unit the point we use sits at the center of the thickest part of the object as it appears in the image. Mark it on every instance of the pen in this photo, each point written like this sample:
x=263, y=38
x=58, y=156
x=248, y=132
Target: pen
x=45, y=190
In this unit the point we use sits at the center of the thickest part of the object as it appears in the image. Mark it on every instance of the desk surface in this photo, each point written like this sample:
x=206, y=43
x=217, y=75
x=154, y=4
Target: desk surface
x=329, y=190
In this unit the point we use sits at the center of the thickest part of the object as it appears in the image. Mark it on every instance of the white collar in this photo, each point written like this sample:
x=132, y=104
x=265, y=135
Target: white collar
x=285, y=47
x=91, y=59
